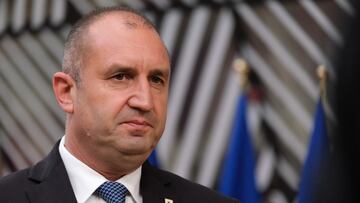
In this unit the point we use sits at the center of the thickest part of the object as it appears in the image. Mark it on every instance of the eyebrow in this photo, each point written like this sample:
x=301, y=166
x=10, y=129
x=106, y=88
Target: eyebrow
x=161, y=72
x=116, y=68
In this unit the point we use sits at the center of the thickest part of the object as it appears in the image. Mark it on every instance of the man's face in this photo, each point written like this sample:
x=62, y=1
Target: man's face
x=121, y=100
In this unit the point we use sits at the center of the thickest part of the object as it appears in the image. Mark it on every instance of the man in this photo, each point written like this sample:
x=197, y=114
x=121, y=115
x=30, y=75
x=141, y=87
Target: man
x=114, y=89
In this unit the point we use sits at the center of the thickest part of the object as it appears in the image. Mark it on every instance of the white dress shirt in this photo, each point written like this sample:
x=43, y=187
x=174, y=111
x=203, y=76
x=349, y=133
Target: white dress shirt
x=84, y=180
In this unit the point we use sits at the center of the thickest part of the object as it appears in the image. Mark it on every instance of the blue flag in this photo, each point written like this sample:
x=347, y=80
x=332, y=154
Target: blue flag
x=316, y=158
x=153, y=159
x=237, y=178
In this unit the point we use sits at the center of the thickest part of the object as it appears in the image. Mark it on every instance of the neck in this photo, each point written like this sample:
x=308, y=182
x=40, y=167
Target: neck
x=112, y=168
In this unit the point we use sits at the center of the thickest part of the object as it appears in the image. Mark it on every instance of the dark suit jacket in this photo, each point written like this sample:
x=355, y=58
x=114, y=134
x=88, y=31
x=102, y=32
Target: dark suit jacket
x=48, y=181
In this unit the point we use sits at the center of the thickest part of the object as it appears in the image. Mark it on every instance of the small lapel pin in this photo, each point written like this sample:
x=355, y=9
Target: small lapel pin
x=168, y=200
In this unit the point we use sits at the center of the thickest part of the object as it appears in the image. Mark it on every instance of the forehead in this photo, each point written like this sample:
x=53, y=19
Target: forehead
x=117, y=37
x=116, y=22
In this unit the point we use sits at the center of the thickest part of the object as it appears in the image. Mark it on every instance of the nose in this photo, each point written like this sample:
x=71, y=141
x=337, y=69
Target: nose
x=141, y=97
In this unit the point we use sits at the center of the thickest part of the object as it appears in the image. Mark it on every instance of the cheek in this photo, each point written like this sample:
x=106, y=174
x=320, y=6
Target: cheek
x=161, y=109
x=97, y=111
x=160, y=103
x=107, y=99
x=112, y=108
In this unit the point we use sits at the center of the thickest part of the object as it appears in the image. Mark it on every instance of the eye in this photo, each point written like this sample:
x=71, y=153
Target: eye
x=121, y=76
x=157, y=80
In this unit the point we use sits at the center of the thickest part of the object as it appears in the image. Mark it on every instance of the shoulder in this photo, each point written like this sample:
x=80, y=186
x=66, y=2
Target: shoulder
x=15, y=178
x=12, y=185
x=190, y=191
x=15, y=184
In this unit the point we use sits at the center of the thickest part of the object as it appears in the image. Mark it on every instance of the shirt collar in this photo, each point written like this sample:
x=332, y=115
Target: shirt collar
x=84, y=180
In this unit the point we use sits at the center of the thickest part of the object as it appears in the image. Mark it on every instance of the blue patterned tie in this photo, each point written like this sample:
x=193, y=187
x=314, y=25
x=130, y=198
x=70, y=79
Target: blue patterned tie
x=112, y=192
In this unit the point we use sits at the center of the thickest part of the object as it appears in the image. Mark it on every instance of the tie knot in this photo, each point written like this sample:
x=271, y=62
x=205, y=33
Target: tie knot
x=112, y=192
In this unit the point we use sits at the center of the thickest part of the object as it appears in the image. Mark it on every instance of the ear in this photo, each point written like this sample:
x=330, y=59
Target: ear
x=64, y=87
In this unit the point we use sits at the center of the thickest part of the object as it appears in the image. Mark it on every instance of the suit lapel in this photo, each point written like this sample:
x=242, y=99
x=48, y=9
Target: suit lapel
x=154, y=188
x=52, y=181
x=53, y=184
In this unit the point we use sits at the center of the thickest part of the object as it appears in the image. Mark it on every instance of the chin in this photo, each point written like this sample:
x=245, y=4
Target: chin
x=132, y=144
x=135, y=149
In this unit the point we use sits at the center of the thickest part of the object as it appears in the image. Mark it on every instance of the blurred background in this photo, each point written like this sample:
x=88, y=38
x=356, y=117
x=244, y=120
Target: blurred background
x=282, y=41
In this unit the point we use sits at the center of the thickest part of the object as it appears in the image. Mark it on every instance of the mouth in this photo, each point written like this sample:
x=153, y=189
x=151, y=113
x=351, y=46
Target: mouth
x=137, y=124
